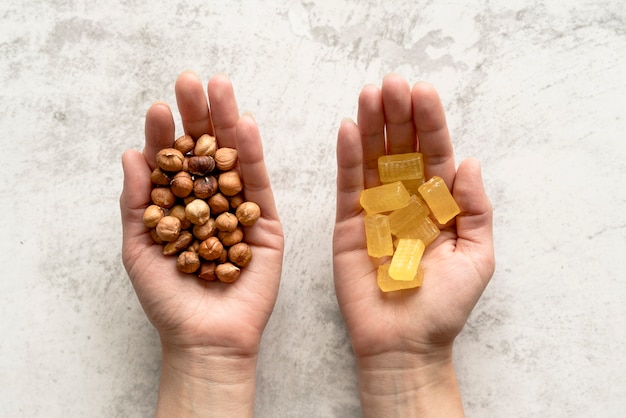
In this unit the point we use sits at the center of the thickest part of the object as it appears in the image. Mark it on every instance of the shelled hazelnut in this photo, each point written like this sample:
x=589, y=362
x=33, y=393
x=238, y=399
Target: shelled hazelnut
x=170, y=159
x=168, y=228
x=198, y=210
x=159, y=177
x=211, y=248
x=248, y=213
x=229, y=183
x=227, y=272
x=225, y=158
x=240, y=254
x=205, y=145
x=226, y=222
x=163, y=196
x=152, y=215
x=184, y=144
x=182, y=184
x=188, y=262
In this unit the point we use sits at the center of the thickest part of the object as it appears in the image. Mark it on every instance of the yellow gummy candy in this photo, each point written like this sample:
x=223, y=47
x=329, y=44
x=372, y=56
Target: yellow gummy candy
x=387, y=284
x=378, y=235
x=408, y=166
x=384, y=198
x=406, y=259
x=439, y=199
x=409, y=217
x=426, y=231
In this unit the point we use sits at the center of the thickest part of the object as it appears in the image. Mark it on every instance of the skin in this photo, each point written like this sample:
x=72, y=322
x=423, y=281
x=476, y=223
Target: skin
x=403, y=340
x=209, y=331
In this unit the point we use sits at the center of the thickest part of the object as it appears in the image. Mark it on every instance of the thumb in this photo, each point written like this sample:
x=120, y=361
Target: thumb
x=135, y=195
x=475, y=222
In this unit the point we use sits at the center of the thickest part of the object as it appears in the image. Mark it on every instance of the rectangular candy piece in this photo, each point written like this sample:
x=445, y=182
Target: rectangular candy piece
x=387, y=284
x=408, y=217
x=439, y=199
x=412, y=186
x=426, y=231
x=378, y=235
x=406, y=259
x=384, y=198
x=409, y=166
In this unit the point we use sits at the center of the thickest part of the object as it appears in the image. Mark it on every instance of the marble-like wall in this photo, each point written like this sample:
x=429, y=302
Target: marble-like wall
x=535, y=90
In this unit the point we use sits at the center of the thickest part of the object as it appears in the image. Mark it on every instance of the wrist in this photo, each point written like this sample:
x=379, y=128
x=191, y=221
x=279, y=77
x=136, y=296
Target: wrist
x=409, y=385
x=199, y=382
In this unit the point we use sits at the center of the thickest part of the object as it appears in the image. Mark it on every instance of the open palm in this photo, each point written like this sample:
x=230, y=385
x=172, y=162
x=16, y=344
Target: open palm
x=457, y=265
x=189, y=312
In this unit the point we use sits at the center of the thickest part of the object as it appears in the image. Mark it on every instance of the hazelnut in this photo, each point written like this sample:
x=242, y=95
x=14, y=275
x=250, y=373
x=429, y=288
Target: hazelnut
x=226, y=221
x=205, y=230
x=207, y=271
x=184, y=144
x=187, y=200
x=210, y=249
x=155, y=236
x=170, y=159
x=223, y=257
x=227, y=272
x=205, y=145
x=231, y=238
x=179, y=212
x=204, y=187
x=188, y=262
x=198, y=211
x=163, y=197
x=236, y=200
x=194, y=246
x=201, y=165
x=240, y=254
x=182, y=184
x=159, y=177
x=218, y=203
x=229, y=183
x=181, y=243
x=168, y=228
x=248, y=213
x=152, y=215
x=225, y=158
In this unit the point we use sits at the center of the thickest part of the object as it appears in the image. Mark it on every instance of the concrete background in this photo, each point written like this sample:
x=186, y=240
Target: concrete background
x=535, y=90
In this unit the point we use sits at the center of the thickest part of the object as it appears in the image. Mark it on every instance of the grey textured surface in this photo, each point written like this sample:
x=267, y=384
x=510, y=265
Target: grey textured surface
x=536, y=91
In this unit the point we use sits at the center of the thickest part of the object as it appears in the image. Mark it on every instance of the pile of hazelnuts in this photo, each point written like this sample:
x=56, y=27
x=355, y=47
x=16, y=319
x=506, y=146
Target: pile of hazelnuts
x=198, y=209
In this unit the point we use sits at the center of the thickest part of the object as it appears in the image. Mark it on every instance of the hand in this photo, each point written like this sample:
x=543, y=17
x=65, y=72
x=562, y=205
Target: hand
x=209, y=331
x=407, y=333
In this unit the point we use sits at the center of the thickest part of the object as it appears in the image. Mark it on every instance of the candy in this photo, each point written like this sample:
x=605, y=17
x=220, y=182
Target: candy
x=388, y=284
x=408, y=166
x=384, y=198
x=400, y=209
x=378, y=235
x=439, y=200
x=409, y=217
x=425, y=230
x=406, y=259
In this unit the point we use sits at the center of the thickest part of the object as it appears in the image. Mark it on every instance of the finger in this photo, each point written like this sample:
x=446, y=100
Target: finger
x=475, y=222
x=256, y=181
x=371, y=124
x=399, y=126
x=192, y=105
x=432, y=133
x=135, y=196
x=350, y=180
x=159, y=131
x=224, y=111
